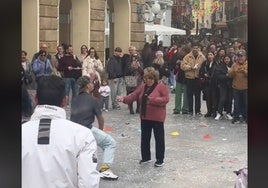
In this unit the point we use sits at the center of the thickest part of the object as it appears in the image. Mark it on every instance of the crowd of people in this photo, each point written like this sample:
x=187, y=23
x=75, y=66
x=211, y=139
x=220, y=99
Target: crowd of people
x=216, y=70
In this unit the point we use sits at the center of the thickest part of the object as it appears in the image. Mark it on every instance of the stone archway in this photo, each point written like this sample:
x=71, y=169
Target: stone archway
x=120, y=19
x=80, y=24
x=77, y=30
x=30, y=27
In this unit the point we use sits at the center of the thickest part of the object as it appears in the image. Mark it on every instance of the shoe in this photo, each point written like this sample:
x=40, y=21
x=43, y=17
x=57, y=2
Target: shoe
x=145, y=161
x=137, y=111
x=116, y=107
x=228, y=116
x=106, y=110
x=218, y=117
x=235, y=121
x=171, y=87
x=241, y=120
x=190, y=113
x=184, y=112
x=199, y=114
x=176, y=112
x=213, y=115
x=207, y=114
x=131, y=111
x=173, y=91
x=159, y=163
x=108, y=174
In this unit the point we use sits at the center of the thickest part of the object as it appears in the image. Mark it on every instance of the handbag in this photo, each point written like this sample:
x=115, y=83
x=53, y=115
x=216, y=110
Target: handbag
x=131, y=81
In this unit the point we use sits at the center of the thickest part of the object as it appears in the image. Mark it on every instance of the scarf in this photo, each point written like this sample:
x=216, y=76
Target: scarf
x=147, y=92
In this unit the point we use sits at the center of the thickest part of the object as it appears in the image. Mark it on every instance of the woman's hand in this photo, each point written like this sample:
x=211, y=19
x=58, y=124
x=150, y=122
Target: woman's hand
x=120, y=98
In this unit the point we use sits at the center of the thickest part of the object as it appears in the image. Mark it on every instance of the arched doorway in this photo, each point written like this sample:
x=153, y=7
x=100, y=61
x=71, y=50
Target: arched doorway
x=119, y=24
x=64, y=21
x=74, y=19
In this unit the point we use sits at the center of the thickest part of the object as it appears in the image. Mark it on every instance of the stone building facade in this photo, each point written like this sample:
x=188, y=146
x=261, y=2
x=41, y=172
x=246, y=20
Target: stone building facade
x=81, y=22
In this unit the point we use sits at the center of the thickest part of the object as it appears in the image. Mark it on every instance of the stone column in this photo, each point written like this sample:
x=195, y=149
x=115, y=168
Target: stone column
x=48, y=21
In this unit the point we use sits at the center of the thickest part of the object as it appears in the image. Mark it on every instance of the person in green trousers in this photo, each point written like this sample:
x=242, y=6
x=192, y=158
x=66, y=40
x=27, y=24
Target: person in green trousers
x=181, y=101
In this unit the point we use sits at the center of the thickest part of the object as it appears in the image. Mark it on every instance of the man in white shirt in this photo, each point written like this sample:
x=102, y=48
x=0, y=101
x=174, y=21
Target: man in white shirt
x=55, y=151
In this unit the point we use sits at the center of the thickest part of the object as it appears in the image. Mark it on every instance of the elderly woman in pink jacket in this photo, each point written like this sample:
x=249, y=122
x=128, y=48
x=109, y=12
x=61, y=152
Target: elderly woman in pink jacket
x=153, y=96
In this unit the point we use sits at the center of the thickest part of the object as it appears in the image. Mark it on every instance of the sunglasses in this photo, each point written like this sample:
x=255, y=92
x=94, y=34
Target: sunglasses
x=42, y=55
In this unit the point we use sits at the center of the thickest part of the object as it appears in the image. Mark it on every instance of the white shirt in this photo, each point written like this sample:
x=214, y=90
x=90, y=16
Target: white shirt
x=89, y=67
x=104, y=91
x=67, y=161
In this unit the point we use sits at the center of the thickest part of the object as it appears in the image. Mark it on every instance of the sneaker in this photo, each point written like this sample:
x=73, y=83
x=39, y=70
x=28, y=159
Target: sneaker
x=145, y=161
x=108, y=174
x=159, y=163
x=106, y=110
x=235, y=121
x=131, y=111
x=228, y=116
x=176, y=112
x=171, y=87
x=208, y=114
x=242, y=120
x=218, y=117
x=199, y=114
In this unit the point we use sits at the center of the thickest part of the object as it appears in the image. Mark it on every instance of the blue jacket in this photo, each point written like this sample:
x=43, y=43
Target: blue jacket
x=42, y=68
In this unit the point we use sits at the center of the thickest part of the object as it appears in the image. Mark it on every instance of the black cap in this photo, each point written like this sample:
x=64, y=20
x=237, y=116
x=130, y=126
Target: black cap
x=118, y=49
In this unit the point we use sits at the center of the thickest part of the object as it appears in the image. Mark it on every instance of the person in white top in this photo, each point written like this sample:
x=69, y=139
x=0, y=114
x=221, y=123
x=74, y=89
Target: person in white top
x=55, y=151
x=105, y=91
x=92, y=64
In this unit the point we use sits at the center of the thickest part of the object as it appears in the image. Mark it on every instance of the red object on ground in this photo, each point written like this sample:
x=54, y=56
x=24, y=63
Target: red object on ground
x=207, y=136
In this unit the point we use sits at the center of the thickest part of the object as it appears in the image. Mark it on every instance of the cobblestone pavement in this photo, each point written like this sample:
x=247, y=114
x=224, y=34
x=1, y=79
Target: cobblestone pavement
x=203, y=155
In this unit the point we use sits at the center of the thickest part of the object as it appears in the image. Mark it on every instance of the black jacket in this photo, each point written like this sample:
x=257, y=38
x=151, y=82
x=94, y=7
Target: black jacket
x=115, y=68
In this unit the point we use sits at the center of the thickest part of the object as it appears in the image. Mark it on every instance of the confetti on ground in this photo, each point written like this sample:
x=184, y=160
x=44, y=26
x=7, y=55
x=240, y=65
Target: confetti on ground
x=207, y=137
x=222, y=127
x=224, y=139
x=124, y=135
x=127, y=123
x=108, y=129
x=203, y=125
x=175, y=133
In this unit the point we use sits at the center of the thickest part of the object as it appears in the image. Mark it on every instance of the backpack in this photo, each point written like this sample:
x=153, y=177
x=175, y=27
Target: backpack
x=242, y=178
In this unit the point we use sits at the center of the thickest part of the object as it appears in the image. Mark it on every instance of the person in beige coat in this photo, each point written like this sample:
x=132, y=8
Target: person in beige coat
x=92, y=64
x=191, y=64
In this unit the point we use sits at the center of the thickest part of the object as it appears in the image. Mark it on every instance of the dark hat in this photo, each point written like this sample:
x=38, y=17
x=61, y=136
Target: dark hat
x=242, y=53
x=118, y=49
x=82, y=82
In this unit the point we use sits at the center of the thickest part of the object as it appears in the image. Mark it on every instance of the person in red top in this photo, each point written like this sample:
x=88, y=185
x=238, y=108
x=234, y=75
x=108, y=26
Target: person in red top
x=171, y=65
x=153, y=97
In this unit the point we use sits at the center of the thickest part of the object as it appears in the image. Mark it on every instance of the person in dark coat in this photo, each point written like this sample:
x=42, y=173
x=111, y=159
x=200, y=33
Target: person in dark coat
x=225, y=88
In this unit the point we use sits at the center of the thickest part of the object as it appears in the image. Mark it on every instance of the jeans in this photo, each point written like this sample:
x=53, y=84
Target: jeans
x=240, y=103
x=105, y=102
x=106, y=143
x=159, y=136
x=225, y=102
x=171, y=78
x=70, y=83
x=117, y=86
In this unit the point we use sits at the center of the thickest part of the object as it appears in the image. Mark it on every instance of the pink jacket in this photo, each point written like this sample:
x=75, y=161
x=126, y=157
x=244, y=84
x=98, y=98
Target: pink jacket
x=156, y=102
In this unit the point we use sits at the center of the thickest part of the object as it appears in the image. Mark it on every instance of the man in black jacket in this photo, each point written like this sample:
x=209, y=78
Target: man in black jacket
x=116, y=76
